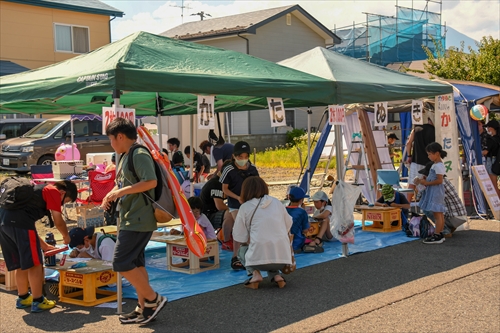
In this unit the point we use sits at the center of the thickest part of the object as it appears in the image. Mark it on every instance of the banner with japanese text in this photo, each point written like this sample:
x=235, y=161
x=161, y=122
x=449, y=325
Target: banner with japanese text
x=336, y=115
x=276, y=111
x=206, y=112
x=417, y=112
x=447, y=136
x=381, y=114
x=110, y=113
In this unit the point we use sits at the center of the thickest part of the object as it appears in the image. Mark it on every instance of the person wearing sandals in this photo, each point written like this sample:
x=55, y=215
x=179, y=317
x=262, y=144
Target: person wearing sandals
x=264, y=224
x=299, y=216
x=232, y=178
x=322, y=214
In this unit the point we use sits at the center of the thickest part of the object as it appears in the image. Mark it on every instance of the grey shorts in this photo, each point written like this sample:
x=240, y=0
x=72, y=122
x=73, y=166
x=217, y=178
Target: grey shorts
x=489, y=163
x=129, y=250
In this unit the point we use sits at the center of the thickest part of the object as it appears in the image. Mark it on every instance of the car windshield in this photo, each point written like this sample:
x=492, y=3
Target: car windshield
x=43, y=129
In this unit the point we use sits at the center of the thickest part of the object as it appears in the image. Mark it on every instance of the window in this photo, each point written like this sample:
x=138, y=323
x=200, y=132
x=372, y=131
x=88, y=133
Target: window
x=71, y=39
x=290, y=118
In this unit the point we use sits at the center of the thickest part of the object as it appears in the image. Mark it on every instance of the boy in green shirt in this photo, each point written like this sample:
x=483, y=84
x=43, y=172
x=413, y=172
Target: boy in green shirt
x=137, y=221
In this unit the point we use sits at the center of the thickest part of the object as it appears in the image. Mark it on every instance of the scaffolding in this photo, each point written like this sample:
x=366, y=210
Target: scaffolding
x=387, y=39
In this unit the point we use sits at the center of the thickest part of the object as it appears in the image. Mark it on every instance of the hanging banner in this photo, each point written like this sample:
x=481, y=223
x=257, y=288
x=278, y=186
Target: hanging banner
x=417, y=114
x=381, y=114
x=206, y=112
x=110, y=113
x=447, y=136
x=336, y=115
x=276, y=111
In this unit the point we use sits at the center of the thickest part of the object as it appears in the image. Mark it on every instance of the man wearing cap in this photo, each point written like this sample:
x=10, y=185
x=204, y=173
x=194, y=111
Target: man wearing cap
x=391, y=140
x=490, y=152
x=299, y=216
x=89, y=244
x=391, y=198
x=455, y=214
x=232, y=177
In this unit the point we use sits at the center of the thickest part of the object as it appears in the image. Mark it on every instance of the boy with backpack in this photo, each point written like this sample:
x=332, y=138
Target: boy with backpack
x=137, y=219
x=87, y=243
x=21, y=205
x=173, y=145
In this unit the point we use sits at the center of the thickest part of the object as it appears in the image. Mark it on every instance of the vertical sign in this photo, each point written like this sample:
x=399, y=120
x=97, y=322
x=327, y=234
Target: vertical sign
x=417, y=112
x=381, y=114
x=276, y=111
x=206, y=112
x=110, y=113
x=336, y=115
x=447, y=136
x=487, y=187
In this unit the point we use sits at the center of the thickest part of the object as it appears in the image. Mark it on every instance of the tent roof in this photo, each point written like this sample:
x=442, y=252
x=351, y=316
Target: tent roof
x=358, y=81
x=143, y=64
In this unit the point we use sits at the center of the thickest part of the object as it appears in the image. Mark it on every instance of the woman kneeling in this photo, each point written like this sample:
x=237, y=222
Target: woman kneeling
x=263, y=223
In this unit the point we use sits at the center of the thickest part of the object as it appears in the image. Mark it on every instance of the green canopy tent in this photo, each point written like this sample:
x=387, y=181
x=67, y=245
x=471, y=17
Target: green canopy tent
x=142, y=65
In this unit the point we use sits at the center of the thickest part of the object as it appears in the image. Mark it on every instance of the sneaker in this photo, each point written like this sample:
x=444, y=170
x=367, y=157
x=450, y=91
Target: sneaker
x=24, y=303
x=151, y=309
x=434, y=239
x=131, y=317
x=42, y=306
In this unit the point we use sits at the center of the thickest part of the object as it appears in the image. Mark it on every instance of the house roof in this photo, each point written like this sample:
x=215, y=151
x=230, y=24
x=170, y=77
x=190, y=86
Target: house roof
x=84, y=6
x=246, y=22
x=9, y=67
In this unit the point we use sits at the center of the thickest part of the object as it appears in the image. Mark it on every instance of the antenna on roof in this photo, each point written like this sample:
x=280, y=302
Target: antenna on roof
x=182, y=9
x=202, y=15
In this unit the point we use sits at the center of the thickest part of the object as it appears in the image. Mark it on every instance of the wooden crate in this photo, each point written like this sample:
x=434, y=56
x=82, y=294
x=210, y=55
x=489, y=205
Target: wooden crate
x=7, y=279
x=382, y=218
x=87, y=280
x=192, y=264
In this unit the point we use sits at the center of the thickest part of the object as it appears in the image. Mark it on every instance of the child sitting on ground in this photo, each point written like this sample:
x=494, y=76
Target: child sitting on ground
x=322, y=214
x=197, y=207
x=299, y=216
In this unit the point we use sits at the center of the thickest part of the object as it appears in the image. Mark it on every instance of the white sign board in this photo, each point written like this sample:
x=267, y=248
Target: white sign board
x=488, y=189
x=447, y=136
x=206, y=112
x=336, y=115
x=110, y=113
x=276, y=111
x=417, y=112
x=381, y=114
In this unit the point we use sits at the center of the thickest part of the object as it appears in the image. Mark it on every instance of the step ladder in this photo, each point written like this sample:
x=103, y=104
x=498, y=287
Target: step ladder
x=322, y=175
x=362, y=158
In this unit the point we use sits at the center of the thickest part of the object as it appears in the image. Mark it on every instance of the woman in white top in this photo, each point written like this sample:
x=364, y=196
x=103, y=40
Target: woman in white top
x=263, y=223
x=322, y=214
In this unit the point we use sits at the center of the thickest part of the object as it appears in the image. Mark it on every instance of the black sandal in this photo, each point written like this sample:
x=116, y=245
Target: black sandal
x=236, y=264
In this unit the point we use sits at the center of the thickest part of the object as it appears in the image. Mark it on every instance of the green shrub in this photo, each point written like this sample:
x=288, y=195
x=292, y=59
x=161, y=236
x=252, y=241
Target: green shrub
x=293, y=137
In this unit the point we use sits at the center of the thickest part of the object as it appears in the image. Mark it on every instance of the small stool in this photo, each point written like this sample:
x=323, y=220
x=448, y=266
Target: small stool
x=7, y=279
x=382, y=218
x=87, y=280
x=193, y=264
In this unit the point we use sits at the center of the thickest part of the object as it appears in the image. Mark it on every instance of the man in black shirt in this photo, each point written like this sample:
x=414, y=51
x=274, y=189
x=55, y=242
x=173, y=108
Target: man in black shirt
x=198, y=167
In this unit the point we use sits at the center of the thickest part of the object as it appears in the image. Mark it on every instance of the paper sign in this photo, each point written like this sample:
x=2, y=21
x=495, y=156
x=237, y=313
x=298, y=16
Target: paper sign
x=206, y=112
x=110, y=113
x=417, y=112
x=276, y=111
x=488, y=189
x=381, y=114
x=336, y=115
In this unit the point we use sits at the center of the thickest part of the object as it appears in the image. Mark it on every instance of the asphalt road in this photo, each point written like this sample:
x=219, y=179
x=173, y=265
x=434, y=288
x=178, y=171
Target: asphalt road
x=411, y=287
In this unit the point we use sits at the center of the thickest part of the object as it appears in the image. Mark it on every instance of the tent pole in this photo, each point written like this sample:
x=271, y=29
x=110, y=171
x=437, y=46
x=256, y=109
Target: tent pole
x=339, y=147
x=72, y=140
x=158, y=122
x=227, y=127
x=308, y=151
x=191, y=157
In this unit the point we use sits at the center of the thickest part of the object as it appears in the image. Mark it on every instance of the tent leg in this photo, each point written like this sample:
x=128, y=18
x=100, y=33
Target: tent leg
x=345, y=250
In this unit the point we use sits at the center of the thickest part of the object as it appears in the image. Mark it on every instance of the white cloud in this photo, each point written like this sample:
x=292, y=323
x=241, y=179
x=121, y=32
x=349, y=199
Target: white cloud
x=466, y=16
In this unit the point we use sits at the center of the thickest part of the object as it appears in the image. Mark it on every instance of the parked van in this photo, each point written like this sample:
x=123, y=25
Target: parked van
x=38, y=146
x=12, y=128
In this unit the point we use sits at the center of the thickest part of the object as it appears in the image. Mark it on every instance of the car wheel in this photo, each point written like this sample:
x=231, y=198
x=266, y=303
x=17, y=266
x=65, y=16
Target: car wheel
x=46, y=160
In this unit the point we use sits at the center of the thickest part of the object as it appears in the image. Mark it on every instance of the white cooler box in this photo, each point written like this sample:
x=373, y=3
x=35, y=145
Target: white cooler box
x=99, y=158
x=64, y=169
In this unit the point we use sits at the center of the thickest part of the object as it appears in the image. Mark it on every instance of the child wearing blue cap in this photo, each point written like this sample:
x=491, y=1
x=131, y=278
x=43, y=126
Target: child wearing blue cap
x=299, y=216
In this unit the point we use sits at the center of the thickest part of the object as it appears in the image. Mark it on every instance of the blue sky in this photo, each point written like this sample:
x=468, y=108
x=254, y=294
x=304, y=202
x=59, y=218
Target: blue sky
x=474, y=18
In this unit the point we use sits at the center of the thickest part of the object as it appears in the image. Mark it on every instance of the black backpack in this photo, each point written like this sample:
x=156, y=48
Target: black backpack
x=15, y=193
x=103, y=237
x=495, y=168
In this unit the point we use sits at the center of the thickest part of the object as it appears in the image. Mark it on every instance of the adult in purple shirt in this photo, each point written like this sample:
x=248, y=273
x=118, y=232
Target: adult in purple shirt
x=221, y=152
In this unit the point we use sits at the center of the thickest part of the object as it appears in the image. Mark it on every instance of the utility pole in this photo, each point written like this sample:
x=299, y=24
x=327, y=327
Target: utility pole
x=182, y=9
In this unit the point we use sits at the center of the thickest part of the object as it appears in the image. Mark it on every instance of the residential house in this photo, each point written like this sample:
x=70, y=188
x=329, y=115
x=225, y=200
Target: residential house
x=273, y=34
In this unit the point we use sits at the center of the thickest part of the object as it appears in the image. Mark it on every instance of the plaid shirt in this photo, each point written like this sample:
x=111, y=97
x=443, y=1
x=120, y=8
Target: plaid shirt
x=454, y=206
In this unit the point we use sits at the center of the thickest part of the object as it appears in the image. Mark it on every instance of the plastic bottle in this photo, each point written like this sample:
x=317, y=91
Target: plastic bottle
x=49, y=239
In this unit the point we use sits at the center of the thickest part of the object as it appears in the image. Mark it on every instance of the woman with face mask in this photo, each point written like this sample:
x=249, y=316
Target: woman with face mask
x=89, y=244
x=232, y=178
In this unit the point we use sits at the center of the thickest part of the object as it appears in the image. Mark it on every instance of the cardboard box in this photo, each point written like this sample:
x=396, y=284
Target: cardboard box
x=65, y=169
x=89, y=216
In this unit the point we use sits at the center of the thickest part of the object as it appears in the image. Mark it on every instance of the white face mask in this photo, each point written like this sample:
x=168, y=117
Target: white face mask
x=241, y=163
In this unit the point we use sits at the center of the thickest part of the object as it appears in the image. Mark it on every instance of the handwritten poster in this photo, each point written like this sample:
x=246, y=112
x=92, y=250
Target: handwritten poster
x=206, y=112
x=110, y=113
x=417, y=112
x=336, y=115
x=276, y=111
x=381, y=114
